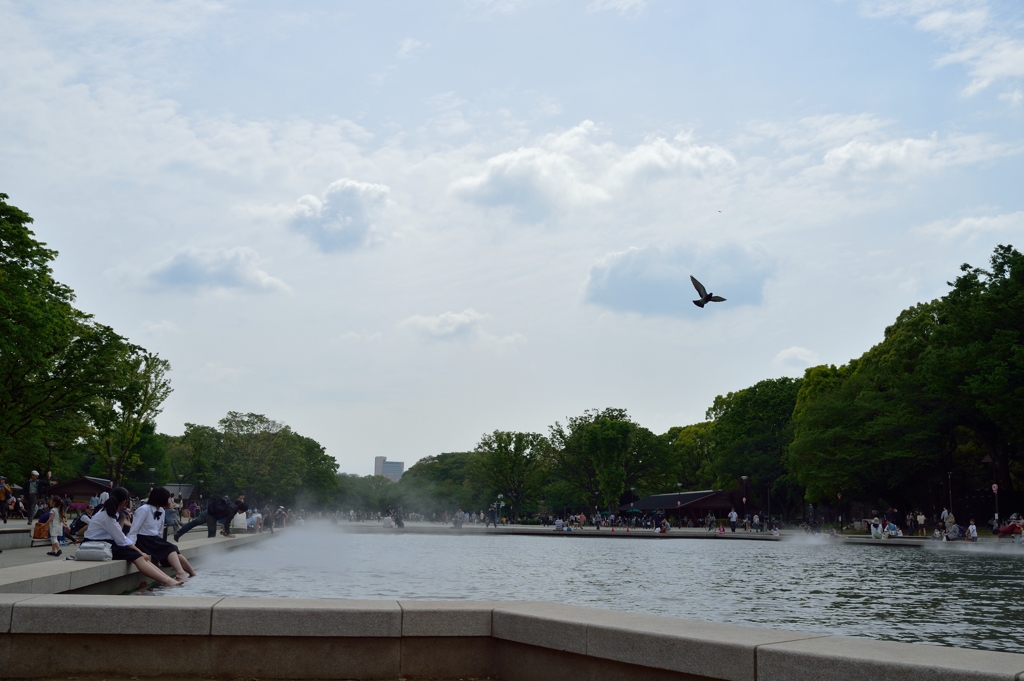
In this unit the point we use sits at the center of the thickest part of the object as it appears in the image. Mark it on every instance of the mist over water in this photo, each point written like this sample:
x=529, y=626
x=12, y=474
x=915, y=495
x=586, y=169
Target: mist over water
x=968, y=598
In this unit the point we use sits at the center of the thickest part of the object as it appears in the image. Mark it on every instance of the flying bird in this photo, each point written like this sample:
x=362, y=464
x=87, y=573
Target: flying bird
x=705, y=297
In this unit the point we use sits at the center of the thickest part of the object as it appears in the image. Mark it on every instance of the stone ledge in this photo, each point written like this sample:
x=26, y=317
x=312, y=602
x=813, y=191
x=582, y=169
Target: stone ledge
x=58, y=613
x=58, y=576
x=835, y=658
x=332, y=638
x=446, y=618
x=548, y=625
x=327, y=617
x=721, y=651
x=7, y=603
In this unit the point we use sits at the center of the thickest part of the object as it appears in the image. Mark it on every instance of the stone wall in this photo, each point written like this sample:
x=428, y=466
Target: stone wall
x=276, y=638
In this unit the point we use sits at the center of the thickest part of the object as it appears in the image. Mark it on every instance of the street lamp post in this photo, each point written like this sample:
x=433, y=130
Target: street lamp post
x=200, y=494
x=49, y=460
x=995, y=493
x=950, y=477
x=113, y=482
x=744, y=479
x=152, y=478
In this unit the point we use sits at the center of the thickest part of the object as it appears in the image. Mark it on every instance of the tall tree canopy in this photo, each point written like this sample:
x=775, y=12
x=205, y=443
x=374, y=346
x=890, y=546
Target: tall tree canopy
x=510, y=464
x=602, y=454
x=59, y=370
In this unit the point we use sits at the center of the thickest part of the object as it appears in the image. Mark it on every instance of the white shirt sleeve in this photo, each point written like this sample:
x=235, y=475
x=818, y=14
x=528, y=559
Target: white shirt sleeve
x=105, y=527
x=138, y=520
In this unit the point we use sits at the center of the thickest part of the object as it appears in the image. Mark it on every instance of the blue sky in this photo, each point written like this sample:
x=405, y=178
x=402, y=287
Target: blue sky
x=397, y=226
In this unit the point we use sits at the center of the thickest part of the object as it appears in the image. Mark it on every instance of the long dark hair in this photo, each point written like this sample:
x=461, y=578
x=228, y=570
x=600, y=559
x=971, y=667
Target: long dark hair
x=159, y=497
x=118, y=495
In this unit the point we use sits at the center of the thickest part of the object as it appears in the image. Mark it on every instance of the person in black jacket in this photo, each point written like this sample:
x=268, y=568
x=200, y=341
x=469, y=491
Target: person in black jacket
x=33, y=489
x=219, y=509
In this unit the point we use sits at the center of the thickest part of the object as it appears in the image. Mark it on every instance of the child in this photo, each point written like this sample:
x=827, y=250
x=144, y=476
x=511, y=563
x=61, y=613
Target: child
x=57, y=525
x=972, y=531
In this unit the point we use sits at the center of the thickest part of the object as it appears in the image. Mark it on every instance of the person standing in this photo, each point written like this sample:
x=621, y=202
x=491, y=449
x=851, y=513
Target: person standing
x=33, y=489
x=57, y=526
x=6, y=494
x=733, y=516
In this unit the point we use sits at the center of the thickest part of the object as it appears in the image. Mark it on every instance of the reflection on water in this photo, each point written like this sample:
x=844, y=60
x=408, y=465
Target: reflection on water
x=948, y=597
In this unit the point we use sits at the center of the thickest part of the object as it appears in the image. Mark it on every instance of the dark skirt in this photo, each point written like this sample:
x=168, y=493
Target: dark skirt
x=157, y=548
x=121, y=552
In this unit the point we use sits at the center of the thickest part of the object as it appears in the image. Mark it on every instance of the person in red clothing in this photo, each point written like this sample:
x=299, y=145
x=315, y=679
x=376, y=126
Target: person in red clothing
x=1014, y=527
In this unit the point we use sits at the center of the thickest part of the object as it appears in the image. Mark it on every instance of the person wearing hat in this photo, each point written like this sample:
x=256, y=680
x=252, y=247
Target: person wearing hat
x=33, y=489
x=876, y=528
x=6, y=494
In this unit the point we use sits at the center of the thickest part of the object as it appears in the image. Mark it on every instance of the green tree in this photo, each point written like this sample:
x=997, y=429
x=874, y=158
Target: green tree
x=55, y=361
x=693, y=455
x=509, y=463
x=261, y=457
x=601, y=454
x=752, y=432
x=118, y=417
x=441, y=483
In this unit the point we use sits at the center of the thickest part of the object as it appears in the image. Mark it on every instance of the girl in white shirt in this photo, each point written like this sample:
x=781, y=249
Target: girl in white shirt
x=57, y=525
x=147, y=527
x=105, y=528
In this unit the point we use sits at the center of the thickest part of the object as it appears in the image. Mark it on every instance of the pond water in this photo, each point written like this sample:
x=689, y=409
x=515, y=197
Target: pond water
x=956, y=595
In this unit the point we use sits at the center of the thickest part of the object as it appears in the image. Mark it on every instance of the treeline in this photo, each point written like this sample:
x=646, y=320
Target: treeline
x=932, y=413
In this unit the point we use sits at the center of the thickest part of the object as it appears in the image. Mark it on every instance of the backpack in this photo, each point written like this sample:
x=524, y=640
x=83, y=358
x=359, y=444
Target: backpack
x=220, y=507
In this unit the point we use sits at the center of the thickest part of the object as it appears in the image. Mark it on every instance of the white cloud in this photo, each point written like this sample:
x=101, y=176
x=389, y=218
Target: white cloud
x=973, y=226
x=213, y=269
x=216, y=374
x=534, y=181
x=656, y=281
x=620, y=6
x=446, y=326
x=657, y=156
x=343, y=218
x=161, y=328
x=409, y=48
x=977, y=35
x=1014, y=97
x=795, y=357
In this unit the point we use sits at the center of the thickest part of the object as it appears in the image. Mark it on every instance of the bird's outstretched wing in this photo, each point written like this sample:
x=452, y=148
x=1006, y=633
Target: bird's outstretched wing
x=699, y=303
x=717, y=299
x=700, y=287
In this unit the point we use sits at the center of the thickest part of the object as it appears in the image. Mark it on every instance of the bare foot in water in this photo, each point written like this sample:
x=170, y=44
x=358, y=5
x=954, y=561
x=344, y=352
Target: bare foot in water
x=173, y=582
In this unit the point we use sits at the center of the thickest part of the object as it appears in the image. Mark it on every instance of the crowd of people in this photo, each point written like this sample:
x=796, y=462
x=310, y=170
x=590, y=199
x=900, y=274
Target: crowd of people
x=944, y=527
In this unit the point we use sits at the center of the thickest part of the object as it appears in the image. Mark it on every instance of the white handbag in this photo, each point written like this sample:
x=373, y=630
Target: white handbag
x=95, y=550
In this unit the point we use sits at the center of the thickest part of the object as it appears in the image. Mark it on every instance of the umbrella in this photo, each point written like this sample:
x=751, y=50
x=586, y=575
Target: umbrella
x=634, y=510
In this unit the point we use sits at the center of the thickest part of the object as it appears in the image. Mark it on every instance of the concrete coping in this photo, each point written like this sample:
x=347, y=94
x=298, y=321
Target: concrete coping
x=707, y=649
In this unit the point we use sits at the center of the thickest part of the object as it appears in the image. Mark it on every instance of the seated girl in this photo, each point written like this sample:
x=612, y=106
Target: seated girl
x=106, y=528
x=146, y=531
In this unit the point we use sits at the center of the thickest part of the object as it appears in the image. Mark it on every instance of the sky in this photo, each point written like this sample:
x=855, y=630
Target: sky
x=397, y=226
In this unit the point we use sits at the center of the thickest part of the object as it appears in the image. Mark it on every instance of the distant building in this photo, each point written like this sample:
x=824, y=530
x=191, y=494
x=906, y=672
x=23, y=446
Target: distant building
x=392, y=470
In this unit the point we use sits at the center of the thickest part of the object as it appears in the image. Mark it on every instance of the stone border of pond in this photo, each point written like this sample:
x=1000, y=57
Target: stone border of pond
x=282, y=638
x=53, y=576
